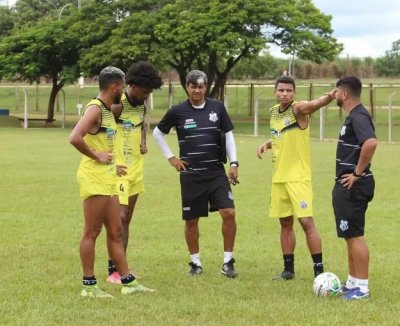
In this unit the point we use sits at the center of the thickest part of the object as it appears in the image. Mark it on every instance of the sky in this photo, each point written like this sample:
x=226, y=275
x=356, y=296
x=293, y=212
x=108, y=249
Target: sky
x=366, y=28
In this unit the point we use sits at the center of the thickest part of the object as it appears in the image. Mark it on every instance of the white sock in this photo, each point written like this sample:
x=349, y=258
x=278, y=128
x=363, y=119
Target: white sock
x=351, y=282
x=362, y=284
x=228, y=255
x=196, y=259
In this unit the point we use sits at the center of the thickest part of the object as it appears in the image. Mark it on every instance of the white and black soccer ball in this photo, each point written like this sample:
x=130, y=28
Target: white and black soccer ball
x=326, y=285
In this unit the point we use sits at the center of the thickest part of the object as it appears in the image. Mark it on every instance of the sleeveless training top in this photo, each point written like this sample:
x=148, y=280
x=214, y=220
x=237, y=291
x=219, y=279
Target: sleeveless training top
x=129, y=137
x=290, y=146
x=101, y=141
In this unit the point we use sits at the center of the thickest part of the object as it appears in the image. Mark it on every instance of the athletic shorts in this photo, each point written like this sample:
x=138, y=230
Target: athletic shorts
x=350, y=205
x=127, y=188
x=291, y=198
x=88, y=188
x=201, y=194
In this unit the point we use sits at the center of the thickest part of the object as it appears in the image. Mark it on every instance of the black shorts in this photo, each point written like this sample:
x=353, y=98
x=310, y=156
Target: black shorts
x=350, y=205
x=201, y=194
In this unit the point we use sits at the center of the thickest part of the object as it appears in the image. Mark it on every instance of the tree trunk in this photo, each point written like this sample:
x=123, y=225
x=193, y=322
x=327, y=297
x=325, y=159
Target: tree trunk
x=57, y=85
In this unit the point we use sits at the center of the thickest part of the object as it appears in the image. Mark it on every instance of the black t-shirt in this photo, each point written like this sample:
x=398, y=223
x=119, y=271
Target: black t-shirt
x=199, y=134
x=357, y=128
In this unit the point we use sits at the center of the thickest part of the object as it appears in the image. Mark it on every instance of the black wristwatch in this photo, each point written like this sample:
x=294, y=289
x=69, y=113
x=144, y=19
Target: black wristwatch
x=355, y=174
x=234, y=163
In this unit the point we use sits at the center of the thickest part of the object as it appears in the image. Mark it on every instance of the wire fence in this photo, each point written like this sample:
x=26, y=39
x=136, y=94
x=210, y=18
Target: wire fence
x=248, y=105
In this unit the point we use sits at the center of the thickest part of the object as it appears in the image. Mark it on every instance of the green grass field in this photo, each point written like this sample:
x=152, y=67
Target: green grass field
x=41, y=223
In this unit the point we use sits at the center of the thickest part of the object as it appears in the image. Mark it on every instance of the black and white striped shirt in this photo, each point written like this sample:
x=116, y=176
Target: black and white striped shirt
x=356, y=129
x=199, y=134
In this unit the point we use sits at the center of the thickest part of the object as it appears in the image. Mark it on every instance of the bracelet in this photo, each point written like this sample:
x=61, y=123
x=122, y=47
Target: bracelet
x=234, y=163
x=355, y=174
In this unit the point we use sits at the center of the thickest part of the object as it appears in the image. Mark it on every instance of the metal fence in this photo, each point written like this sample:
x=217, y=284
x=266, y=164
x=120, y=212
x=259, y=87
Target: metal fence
x=248, y=105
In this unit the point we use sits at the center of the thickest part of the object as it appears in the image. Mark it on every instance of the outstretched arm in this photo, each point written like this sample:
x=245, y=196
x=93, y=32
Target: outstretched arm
x=308, y=107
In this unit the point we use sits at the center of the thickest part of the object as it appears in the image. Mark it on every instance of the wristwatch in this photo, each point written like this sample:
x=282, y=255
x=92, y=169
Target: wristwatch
x=355, y=174
x=234, y=163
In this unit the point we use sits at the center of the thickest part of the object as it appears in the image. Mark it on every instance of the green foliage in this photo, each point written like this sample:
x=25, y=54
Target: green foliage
x=7, y=17
x=212, y=36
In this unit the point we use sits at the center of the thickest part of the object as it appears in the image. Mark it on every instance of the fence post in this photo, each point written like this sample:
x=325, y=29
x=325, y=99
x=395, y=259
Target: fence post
x=25, y=109
x=226, y=102
x=251, y=99
x=170, y=90
x=63, y=110
x=17, y=98
x=256, y=106
x=310, y=92
x=390, y=117
x=371, y=100
x=37, y=96
x=321, y=123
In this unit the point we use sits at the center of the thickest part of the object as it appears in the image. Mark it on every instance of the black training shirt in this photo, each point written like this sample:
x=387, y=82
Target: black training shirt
x=199, y=134
x=357, y=128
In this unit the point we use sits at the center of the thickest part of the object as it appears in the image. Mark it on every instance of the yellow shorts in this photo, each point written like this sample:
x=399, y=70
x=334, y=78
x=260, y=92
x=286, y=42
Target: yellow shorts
x=88, y=188
x=128, y=187
x=291, y=198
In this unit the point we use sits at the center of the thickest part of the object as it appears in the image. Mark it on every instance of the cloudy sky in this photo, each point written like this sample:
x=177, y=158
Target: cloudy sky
x=365, y=27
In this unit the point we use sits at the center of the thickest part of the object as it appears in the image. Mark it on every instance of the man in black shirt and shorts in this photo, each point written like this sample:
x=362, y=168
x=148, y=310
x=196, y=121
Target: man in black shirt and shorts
x=205, y=137
x=354, y=186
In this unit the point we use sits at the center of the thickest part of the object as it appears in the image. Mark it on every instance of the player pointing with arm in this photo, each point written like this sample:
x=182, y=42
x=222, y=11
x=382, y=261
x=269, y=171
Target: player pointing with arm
x=201, y=126
x=291, y=190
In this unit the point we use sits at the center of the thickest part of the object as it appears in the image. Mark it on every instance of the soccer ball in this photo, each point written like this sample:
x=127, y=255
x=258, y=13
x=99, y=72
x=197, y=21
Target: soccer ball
x=326, y=285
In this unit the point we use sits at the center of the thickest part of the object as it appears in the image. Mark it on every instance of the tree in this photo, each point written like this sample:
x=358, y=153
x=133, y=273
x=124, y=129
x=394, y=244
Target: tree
x=48, y=49
x=7, y=16
x=215, y=35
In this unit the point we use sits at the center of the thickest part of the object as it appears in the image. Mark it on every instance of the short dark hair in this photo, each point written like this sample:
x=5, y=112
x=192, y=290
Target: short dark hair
x=196, y=77
x=352, y=84
x=143, y=74
x=285, y=80
x=110, y=75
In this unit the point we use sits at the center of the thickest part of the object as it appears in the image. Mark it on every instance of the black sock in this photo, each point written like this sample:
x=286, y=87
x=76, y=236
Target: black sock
x=89, y=280
x=318, y=264
x=127, y=278
x=111, y=267
x=288, y=263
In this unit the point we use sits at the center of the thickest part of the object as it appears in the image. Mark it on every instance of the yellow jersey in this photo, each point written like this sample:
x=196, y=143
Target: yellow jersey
x=102, y=141
x=129, y=137
x=290, y=146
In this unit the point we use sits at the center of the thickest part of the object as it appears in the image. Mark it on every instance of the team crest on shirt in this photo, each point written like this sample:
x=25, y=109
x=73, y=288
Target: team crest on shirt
x=286, y=122
x=343, y=131
x=303, y=204
x=344, y=225
x=213, y=116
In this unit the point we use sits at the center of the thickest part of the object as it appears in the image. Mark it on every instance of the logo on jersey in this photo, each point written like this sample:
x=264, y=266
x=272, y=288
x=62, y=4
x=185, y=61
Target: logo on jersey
x=186, y=209
x=286, y=122
x=344, y=225
x=190, y=123
x=303, y=204
x=343, y=131
x=213, y=116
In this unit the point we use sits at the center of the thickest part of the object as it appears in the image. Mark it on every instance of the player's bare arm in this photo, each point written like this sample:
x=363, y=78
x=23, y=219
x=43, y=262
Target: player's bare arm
x=308, y=107
x=143, y=142
x=263, y=148
x=116, y=109
x=367, y=151
x=90, y=122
